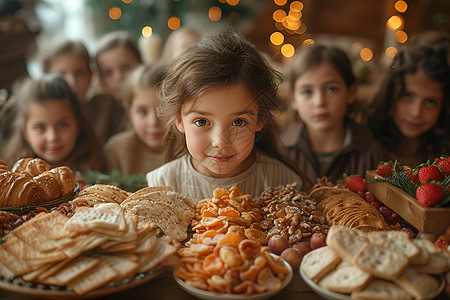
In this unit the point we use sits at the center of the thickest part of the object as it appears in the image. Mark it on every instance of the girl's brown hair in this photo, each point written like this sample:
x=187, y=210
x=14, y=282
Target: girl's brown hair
x=216, y=61
x=87, y=152
x=409, y=60
x=64, y=47
x=144, y=76
x=116, y=39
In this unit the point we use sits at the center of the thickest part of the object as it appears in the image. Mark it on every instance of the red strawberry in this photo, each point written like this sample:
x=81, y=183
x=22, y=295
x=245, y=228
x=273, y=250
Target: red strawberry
x=429, y=194
x=444, y=164
x=355, y=183
x=429, y=172
x=385, y=169
x=413, y=175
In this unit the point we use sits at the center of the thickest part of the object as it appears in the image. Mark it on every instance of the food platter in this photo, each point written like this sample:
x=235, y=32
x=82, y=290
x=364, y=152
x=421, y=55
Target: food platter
x=17, y=285
x=337, y=296
x=202, y=294
x=25, y=209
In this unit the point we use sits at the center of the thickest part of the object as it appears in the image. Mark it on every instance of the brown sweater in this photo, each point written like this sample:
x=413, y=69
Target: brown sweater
x=362, y=153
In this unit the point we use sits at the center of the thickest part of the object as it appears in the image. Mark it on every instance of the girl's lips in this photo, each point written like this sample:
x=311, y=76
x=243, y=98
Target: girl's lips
x=221, y=159
x=413, y=124
x=320, y=116
x=53, y=149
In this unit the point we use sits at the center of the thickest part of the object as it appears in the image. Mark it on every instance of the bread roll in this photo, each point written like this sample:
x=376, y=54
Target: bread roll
x=66, y=179
x=17, y=189
x=50, y=182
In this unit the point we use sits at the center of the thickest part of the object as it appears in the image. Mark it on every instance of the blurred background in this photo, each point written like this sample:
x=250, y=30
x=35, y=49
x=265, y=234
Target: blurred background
x=370, y=31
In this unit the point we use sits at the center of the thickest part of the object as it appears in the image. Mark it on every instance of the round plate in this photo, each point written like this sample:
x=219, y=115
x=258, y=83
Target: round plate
x=17, y=285
x=337, y=296
x=202, y=294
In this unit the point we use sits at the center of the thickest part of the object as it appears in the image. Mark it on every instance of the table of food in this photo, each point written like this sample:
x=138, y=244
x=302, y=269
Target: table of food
x=382, y=236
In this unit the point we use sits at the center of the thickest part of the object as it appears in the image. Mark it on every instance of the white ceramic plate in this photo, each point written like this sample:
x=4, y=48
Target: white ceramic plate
x=337, y=296
x=202, y=294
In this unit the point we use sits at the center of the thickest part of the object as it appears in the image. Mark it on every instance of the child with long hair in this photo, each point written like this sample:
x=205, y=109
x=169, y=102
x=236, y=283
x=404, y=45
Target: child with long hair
x=218, y=101
x=410, y=112
x=49, y=124
x=72, y=59
x=325, y=141
x=139, y=149
x=117, y=54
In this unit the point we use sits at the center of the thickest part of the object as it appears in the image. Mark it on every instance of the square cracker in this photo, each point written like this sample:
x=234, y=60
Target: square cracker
x=319, y=262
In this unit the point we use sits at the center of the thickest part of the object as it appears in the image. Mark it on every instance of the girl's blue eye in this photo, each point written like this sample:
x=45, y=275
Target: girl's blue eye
x=38, y=128
x=408, y=96
x=331, y=89
x=201, y=122
x=64, y=124
x=305, y=92
x=239, y=122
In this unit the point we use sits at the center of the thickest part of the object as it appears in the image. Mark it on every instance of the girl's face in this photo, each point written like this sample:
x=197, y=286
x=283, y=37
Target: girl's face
x=75, y=71
x=114, y=65
x=321, y=97
x=143, y=118
x=418, y=109
x=51, y=130
x=220, y=128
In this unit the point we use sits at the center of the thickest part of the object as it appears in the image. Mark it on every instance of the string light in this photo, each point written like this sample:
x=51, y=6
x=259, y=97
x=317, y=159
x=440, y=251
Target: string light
x=277, y=38
x=366, y=54
x=174, y=23
x=147, y=31
x=401, y=36
x=390, y=52
x=401, y=6
x=287, y=50
x=280, y=2
x=115, y=13
x=214, y=13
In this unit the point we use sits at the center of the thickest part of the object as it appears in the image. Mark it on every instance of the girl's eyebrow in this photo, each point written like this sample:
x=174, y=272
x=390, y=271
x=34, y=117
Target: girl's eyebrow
x=205, y=113
x=327, y=82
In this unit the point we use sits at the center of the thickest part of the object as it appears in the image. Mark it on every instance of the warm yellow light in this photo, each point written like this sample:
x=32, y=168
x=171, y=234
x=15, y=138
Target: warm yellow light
x=366, y=54
x=233, y=2
x=401, y=6
x=296, y=5
x=147, y=31
x=174, y=23
x=401, y=36
x=127, y=1
x=390, y=52
x=277, y=38
x=279, y=26
x=308, y=42
x=115, y=13
x=214, y=13
x=295, y=14
x=395, y=22
x=287, y=50
x=223, y=1
x=280, y=2
x=278, y=15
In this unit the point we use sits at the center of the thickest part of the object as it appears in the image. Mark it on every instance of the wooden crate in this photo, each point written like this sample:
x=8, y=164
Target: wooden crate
x=424, y=219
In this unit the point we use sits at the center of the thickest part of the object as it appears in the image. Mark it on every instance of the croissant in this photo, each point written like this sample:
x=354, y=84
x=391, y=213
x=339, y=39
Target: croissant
x=31, y=166
x=31, y=180
x=18, y=189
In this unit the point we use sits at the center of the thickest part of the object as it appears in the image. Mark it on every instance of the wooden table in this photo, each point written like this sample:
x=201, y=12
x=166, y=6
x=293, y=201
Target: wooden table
x=165, y=287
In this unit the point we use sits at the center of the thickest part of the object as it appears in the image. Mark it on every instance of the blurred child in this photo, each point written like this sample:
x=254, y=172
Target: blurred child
x=325, y=141
x=116, y=56
x=72, y=59
x=50, y=125
x=218, y=100
x=410, y=112
x=139, y=149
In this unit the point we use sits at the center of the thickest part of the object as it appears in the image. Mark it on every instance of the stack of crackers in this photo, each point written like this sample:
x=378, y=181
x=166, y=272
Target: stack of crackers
x=96, y=246
x=376, y=265
x=343, y=207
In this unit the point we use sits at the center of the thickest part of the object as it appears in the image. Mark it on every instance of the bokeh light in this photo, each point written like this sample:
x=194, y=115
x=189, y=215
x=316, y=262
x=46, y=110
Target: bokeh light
x=115, y=13
x=174, y=23
x=395, y=22
x=280, y=2
x=308, y=42
x=296, y=5
x=147, y=31
x=366, y=54
x=278, y=15
x=401, y=6
x=277, y=38
x=287, y=50
x=233, y=2
x=127, y=1
x=214, y=13
x=390, y=52
x=401, y=36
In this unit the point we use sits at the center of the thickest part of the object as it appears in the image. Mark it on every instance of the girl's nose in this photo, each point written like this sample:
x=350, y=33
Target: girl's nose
x=220, y=138
x=415, y=108
x=319, y=99
x=51, y=134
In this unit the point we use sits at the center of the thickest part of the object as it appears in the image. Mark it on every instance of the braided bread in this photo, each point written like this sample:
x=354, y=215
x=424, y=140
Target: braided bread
x=33, y=181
